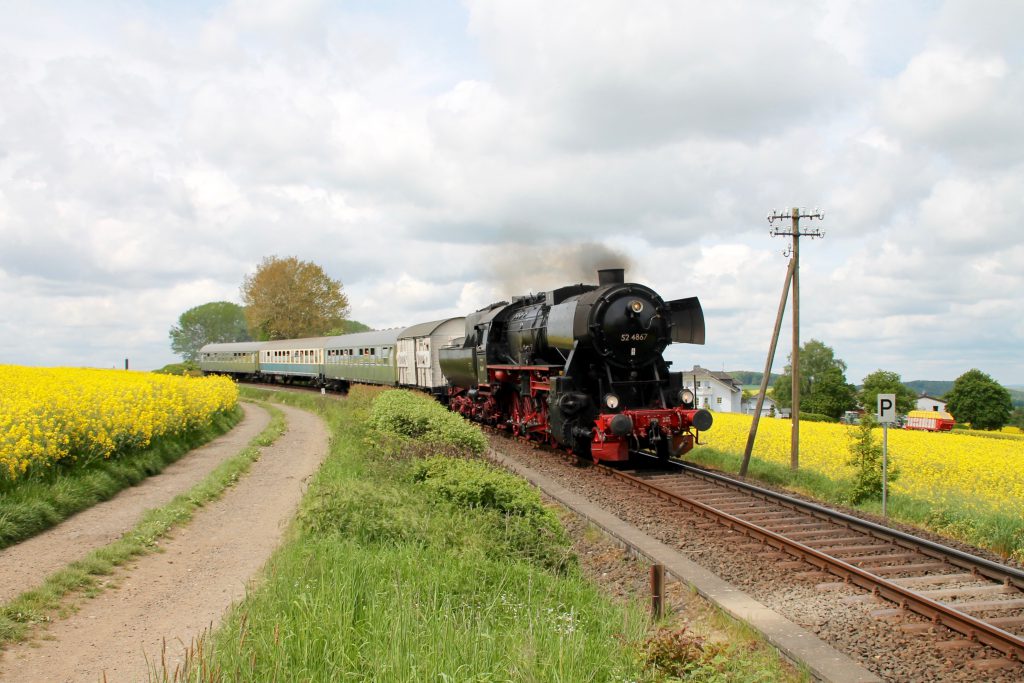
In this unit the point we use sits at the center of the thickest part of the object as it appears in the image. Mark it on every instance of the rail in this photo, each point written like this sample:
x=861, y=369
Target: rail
x=973, y=628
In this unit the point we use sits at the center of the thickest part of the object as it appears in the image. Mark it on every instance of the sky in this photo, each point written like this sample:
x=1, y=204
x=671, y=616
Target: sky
x=437, y=156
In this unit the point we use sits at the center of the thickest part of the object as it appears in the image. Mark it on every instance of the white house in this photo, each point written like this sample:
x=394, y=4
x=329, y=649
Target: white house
x=768, y=409
x=926, y=402
x=716, y=391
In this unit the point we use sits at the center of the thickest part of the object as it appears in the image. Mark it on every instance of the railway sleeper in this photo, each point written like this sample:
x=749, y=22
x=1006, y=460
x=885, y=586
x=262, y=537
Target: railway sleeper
x=941, y=593
x=808, y=530
x=911, y=581
x=861, y=560
x=745, y=510
x=993, y=663
x=716, y=499
x=820, y=534
x=839, y=546
x=987, y=605
x=770, y=514
x=908, y=568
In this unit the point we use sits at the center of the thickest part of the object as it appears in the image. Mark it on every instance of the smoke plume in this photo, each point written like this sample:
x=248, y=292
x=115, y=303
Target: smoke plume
x=521, y=269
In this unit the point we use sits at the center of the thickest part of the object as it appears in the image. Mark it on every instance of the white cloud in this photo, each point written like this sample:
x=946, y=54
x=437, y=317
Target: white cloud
x=959, y=104
x=436, y=161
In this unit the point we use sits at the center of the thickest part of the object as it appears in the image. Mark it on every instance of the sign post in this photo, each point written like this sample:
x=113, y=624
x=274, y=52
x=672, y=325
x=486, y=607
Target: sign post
x=886, y=415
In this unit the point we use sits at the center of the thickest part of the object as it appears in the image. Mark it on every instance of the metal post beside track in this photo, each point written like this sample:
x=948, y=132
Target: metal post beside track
x=657, y=590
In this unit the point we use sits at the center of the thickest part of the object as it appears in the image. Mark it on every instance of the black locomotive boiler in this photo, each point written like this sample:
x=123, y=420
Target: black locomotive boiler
x=582, y=367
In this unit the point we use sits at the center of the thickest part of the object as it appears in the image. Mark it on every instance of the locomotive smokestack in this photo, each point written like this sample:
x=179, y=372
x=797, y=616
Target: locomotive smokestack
x=611, y=276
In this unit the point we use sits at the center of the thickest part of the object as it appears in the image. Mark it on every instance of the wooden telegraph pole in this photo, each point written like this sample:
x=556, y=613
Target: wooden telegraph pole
x=794, y=232
x=767, y=370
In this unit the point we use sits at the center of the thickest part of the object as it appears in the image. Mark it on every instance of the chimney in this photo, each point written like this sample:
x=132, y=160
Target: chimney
x=611, y=276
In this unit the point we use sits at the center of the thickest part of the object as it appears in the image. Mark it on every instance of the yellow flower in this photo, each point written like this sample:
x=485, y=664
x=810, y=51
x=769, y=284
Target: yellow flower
x=983, y=472
x=50, y=415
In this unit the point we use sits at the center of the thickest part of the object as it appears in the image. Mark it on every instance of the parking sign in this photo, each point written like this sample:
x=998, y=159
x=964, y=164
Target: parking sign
x=887, y=408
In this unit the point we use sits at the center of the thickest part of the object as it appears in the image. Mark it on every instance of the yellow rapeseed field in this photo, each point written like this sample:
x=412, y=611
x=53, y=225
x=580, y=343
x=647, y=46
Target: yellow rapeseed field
x=49, y=415
x=984, y=473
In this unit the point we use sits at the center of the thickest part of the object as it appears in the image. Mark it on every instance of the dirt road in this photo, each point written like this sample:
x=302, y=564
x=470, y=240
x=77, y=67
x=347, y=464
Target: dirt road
x=172, y=596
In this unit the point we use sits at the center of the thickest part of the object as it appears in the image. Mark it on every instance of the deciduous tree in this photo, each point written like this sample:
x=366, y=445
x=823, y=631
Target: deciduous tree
x=886, y=382
x=980, y=400
x=287, y=298
x=217, y=321
x=823, y=386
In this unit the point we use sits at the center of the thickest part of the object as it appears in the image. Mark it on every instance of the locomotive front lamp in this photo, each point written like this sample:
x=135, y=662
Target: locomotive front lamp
x=636, y=306
x=685, y=396
x=612, y=401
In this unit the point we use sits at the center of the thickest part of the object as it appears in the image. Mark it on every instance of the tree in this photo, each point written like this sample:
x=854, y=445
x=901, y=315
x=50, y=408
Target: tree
x=866, y=460
x=980, y=400
x=287, y=299
x=830, y=394
x=885, y=382
x=823, y=386
x=349, y=327
x=217, y=321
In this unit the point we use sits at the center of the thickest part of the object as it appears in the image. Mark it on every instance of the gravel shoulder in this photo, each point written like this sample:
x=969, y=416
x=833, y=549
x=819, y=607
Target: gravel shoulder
x=906, y=648
x=161, y=603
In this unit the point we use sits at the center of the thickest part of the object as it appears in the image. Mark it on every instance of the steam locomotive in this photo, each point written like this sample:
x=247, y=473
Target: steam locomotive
x=580, y=367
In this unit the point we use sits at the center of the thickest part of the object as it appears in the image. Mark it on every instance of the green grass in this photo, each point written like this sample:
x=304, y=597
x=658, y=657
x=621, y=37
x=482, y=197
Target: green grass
x=1000, y=532
x=42, y=604
x=405, y=568
x=35, y=504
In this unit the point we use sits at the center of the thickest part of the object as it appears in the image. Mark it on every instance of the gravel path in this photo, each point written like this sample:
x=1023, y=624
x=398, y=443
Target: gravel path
x=24, y=565
x=171, y=596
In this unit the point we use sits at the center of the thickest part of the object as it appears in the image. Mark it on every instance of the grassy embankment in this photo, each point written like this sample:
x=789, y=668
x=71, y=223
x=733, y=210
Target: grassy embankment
x=964, y=486
x=411, y=560
x=40, y=605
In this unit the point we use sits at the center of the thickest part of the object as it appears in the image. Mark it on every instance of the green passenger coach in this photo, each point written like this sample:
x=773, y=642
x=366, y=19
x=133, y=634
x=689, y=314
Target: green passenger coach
x=361, y=357
x=238, y=359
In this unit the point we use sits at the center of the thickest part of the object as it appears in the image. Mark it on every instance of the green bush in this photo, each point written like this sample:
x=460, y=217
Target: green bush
x=189, y=368
x=365, y=512
x=866, y=459
x=471, y=483
x=816, y=417
x=420, y=417
x=520, y=522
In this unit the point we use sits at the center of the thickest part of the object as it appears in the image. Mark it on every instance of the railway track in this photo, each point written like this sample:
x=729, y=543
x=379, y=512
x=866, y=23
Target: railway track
x=981, y=600
x=977, y=598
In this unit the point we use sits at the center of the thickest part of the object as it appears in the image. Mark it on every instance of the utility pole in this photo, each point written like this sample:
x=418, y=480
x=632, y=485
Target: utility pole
x=767, y=371
x=794, y=251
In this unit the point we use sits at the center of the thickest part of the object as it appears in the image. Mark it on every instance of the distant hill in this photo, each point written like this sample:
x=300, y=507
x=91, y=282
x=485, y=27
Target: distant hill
x=750, y=378
x=934, y=388
x=939, y=389
x=348, y=327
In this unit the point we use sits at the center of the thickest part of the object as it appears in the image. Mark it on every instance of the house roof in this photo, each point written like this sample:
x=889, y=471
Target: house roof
x=933, y=398
x=723, y=377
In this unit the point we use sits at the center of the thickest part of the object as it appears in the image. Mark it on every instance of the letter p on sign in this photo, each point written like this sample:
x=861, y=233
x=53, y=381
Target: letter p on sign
x=887, y=408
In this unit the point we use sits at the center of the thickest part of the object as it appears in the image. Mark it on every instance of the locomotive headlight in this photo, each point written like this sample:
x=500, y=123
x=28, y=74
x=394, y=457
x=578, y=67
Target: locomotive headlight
x=636, y=306
x=612, y=401
x=686, y=396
